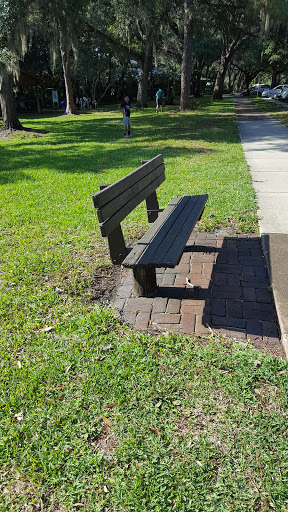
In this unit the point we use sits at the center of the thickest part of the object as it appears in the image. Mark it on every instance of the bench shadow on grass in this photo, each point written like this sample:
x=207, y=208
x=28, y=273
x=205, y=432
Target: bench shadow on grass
x=232, y=289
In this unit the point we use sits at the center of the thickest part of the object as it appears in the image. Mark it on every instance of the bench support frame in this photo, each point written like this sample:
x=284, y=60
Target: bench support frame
x=144, y=282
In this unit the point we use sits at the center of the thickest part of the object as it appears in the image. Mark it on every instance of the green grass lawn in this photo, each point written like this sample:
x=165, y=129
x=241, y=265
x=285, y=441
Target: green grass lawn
x=276, y=110
x=192, y=427
x=97, y=418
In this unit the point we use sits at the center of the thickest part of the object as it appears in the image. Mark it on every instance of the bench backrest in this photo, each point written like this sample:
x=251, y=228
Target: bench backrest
x=116, y=201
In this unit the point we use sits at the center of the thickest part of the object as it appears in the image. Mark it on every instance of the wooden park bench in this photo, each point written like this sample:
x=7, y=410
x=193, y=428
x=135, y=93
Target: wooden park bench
x=163, y=244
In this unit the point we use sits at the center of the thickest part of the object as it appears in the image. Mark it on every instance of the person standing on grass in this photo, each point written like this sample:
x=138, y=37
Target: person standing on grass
x=159, y=96
x=125, y=107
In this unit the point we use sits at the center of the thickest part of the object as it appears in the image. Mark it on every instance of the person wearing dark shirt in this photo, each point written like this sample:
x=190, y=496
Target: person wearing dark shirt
x=125, y=107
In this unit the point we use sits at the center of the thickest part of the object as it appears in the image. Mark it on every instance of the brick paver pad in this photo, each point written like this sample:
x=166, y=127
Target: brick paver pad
x=220, y=283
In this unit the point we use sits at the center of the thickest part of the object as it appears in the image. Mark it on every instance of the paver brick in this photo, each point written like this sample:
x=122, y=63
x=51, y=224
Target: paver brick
x=173, y=306
x=202, y=324
x=249, y=294
x=124, y=292
x=227, y=292
x=224, y=321
x=228, y=269
x=218, y=307
x=119, y=304
x=187, y=325
x=185, y=258
x=208, y=269
x=196, y=268
x=165, y=318
x=167, y=327
x=169, y=278
x=219, y=278
x=142, y=304
x=263, y=295
x=234, y=308
x=192, y=310
x=269, y=329
x=142, y=321
x=253, y=329
x=159, y=305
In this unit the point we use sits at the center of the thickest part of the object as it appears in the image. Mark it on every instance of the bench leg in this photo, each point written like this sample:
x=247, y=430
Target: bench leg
x=144, y=282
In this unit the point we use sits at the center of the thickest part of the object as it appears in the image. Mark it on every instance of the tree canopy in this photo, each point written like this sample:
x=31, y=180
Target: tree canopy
x=101, y=47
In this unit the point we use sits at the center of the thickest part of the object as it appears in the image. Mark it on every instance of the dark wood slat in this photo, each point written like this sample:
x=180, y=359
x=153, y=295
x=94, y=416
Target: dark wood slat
x=145, y=241
x=173, y=255
x=118, y=216
x=108, y=209
x=156, y=249
x=152, y=207
x=120, y=186
x=162, y=242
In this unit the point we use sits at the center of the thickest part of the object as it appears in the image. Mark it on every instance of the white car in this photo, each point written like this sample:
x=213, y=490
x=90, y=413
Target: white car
x=284, y=94
x=271, y=93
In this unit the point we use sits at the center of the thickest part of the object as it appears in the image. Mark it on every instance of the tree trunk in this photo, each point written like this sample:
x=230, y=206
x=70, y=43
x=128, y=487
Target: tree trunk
x=146, y=66
x=7, y=101
x=186, y=68
x=219, y=83
x=70, y=107
x=228, y=51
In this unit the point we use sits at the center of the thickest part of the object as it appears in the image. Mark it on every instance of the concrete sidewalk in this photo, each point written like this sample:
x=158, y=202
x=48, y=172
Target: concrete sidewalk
x=265, y=143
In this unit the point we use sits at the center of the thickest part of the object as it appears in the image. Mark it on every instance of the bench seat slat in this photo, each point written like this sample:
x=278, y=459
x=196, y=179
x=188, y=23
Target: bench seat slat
x=141, y=246
x=179, y=241
x=108, y=209
x=110, y=224
x=163, y=245
x=125, y=183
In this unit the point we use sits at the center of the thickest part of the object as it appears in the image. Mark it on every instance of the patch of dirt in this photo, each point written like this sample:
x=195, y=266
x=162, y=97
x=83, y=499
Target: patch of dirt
x=29, y=491
x=106, y=282
x=26, y=133
x=105, y=442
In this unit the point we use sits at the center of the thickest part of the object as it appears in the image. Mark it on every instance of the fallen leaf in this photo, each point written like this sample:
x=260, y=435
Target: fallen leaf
x=19, y=365
x=280, y=373
x=61, y=386
x=47, y=328
x=176, y=402
x=110, y=406
x=199, y=463
x=105, y=489
x=158, y=404
x=107, y=421
x=19, y=416
x=58, y=290
x=155, y=431
x=109, y=347
x=67, y=314
x=257, y=363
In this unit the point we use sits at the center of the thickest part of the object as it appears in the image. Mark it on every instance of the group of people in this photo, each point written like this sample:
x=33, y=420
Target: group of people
x=125, y=107
x=85, y=103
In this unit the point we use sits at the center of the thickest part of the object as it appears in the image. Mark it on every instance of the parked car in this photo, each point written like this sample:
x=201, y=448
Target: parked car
x=284, y=94
x=258, y=89
x=278, y=92
x=255, y=90
x=269, y=93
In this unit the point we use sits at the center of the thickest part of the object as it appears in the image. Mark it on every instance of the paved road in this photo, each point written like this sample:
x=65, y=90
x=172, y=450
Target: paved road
x=265, y=143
